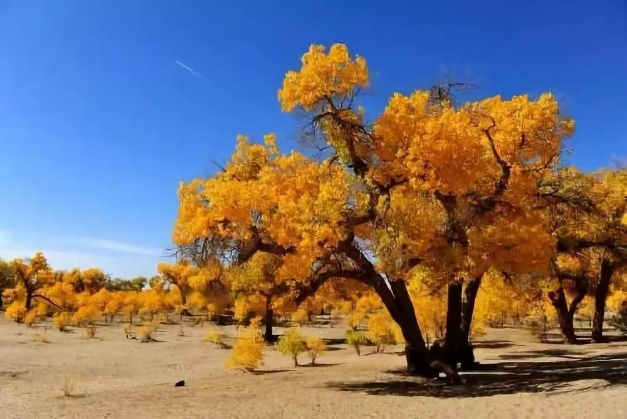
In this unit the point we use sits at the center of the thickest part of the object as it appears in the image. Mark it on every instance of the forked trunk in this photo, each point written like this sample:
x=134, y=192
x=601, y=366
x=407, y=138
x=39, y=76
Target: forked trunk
x=416, y=353
x=564, y=315
x=599, y=300
x=419, y=361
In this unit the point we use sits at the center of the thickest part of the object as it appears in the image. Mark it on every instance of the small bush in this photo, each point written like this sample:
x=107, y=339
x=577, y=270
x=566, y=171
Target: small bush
x=40, y=337
x=247, y=352
x=380, y=331
x=145, y=332
x=300, y=317
x=356, y=338
x=90, y=331
x=30, y=318
x=215, y=337
x=62, y=320
x=292, y=343
x=86, y=314
x=16, y=312
x=69, y=386
x=315, y=347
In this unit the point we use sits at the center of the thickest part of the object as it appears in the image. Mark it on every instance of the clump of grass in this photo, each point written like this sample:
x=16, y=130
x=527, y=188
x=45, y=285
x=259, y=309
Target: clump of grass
x=145, y=332
x=247, y=352
x=292, y=343
x=69, y=386
x=315, y=347
x=356, y=338
x=30, y=318
x=62, y=320
x=40, y=337
x=127, y=327
x=90, y=331
x=215, y=337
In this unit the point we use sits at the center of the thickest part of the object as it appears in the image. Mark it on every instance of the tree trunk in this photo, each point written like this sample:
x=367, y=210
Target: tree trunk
x=564, y=315
x=453, y=338
x=599, y=300
x=400, y=307
x=185, y=311
x=269, y=320
x=468, y=306
x=467, y=355
x=29, y=298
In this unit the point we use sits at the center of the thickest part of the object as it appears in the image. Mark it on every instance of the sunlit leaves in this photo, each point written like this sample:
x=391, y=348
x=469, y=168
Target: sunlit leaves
x=323, y=75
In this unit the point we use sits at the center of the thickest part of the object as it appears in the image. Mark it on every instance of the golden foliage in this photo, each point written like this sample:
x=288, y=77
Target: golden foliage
x=315, y=347
x=145, y=332
x=380, y=330
x=300, y=316
x=247, y=353
x=292, y=342
x=355, y=338
x=214, y=336
x=62, y=320
x=323, y=76
x=16, y=311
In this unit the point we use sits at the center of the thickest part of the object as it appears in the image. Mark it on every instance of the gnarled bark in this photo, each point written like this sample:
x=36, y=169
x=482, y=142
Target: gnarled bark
x=468, y=305
x=460, y=308
x=603, y=287
x=419, y=360
x=467, y=354
x=565, y=315
x=29, y=298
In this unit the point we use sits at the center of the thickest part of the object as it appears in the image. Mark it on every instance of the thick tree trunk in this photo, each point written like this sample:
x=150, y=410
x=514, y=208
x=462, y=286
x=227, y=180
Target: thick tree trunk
x=453, y=339
x=185, y=311
x=269, y=320
x=419, y=360
x=400, y=307
x=395, y=297
x=599, y=300
x=564, y=315
x=467, y=355
x=468, y=306
x=29, y=299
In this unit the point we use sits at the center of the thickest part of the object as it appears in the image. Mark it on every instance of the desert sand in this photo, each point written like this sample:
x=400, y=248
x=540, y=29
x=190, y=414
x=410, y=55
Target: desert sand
x=115, y=377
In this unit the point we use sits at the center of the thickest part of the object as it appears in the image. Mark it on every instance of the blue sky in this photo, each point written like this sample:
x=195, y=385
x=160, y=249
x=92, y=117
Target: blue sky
x=106, y=105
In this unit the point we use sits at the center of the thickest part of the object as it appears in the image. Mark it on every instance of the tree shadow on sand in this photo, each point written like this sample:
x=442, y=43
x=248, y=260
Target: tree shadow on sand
x=508, y=378
x=266, y=372
x=319, y=365
x=493, y=344
x=543, y=353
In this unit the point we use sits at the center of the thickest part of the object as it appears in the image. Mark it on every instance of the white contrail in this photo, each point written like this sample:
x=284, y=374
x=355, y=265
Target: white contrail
x=195, y=73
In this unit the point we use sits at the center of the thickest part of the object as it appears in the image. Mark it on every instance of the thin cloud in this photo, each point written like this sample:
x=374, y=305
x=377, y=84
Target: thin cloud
x=123, y=266
x=116, y=258
x=617, y=162
x=116, y=246
x=195, y=73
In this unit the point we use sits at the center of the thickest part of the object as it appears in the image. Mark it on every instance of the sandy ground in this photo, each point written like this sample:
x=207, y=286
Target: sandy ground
x=119, y=378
